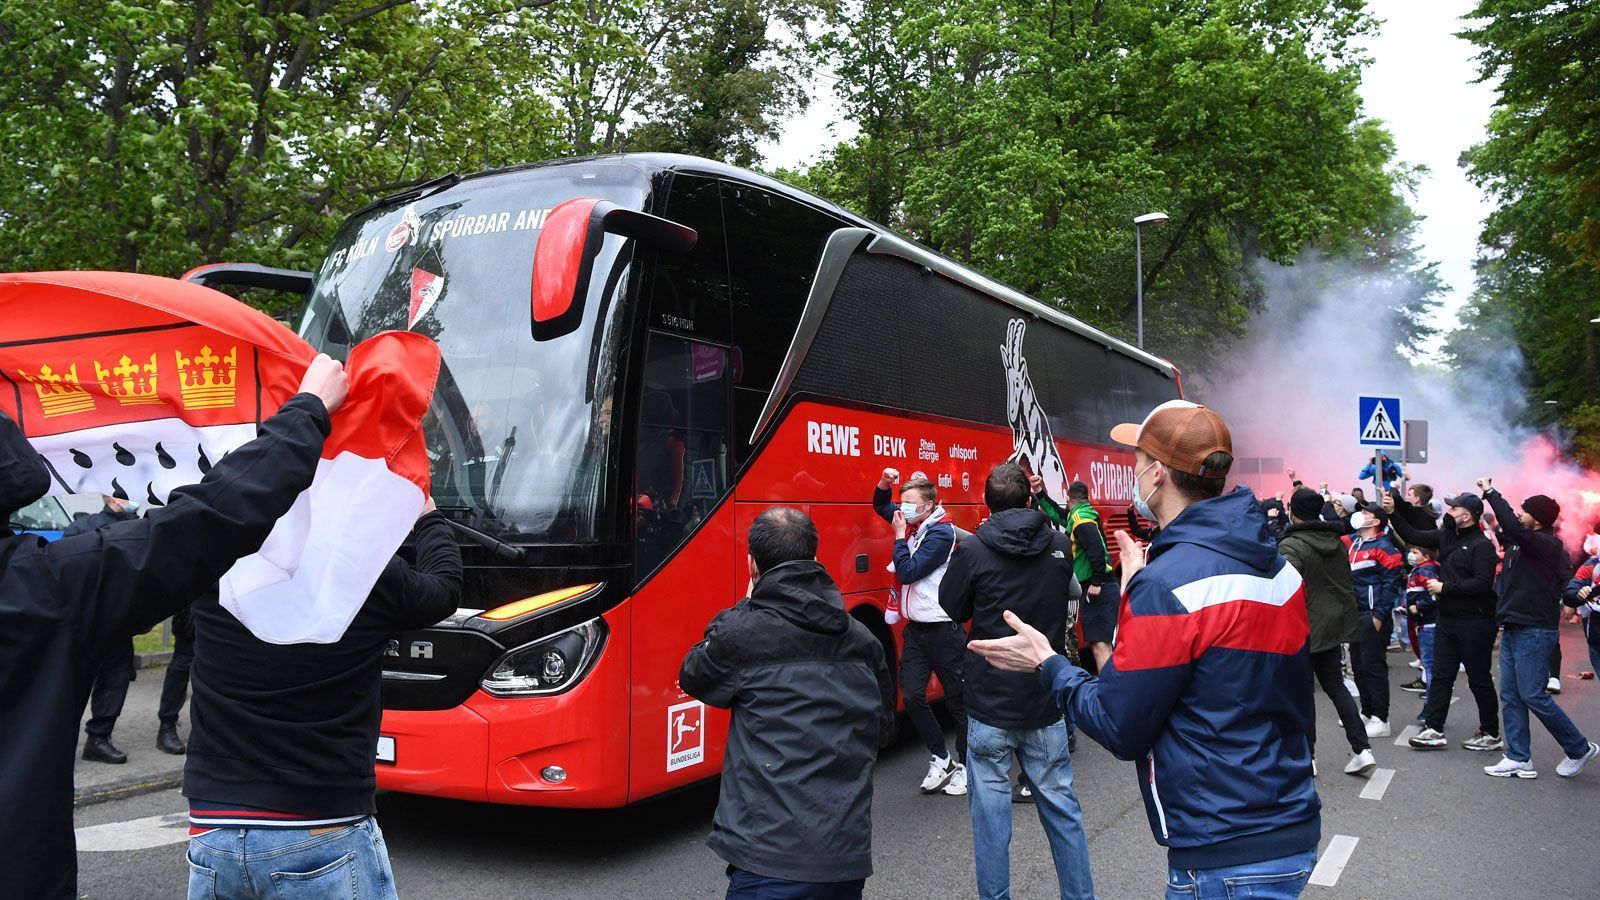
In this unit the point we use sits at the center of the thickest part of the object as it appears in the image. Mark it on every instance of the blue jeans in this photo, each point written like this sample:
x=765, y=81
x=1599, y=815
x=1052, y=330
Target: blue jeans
x=1425, y=650
x=288, y=863
x=744, y=885
x=1048, y=765
x=1524, y=669
x=1273, y=879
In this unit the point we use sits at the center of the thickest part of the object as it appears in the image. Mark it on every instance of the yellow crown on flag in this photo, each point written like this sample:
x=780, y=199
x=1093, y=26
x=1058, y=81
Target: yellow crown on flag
x=60, y=393
x=208, y=381
x=131, y=383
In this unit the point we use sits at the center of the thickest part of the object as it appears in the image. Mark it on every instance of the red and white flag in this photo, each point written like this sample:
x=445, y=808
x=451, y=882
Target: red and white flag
x=133, y=385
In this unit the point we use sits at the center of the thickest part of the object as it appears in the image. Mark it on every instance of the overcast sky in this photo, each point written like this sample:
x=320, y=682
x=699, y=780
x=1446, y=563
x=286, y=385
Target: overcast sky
x=1420, y=84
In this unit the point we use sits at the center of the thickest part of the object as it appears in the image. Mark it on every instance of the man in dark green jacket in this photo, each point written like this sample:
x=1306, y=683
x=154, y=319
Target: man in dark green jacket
x=1315, y=550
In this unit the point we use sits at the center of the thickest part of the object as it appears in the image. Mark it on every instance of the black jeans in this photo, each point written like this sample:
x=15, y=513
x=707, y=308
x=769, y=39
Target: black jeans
x=1369, y=658
x=1458, y=642
x=175, y=684
x=1326, y=669
x=935, y=647
x=110, y=689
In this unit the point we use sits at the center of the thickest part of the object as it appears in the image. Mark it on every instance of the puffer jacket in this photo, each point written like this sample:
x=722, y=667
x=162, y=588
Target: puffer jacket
x=1317, y=553
x=812, y=703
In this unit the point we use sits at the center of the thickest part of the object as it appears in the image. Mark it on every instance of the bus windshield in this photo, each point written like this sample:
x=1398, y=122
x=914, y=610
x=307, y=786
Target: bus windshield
x=519, y=433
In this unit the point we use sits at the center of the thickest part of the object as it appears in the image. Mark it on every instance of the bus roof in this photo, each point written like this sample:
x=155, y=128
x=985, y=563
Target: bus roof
x=898, y=244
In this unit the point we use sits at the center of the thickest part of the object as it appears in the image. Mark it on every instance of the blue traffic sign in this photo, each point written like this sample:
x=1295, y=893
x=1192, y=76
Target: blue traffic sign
x=1379, y=421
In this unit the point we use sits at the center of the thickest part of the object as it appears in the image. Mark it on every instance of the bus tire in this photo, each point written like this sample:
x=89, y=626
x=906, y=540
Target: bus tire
x=872, y=617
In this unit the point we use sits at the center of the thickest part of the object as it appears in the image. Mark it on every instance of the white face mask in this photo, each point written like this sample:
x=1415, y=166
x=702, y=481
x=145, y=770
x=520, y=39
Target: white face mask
x=1141, y=505
x=1414, y=558
x=908, y=508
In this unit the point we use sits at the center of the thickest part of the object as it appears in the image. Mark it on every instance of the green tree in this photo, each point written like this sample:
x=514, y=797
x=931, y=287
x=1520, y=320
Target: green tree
x=1024, y=137
x=1539, y=267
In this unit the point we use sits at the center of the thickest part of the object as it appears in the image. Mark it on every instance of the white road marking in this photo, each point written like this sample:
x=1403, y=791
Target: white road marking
x=135, y=834
x=1333, y=860
x=1406, y=734
x=1377, y=784
x=1454, y=699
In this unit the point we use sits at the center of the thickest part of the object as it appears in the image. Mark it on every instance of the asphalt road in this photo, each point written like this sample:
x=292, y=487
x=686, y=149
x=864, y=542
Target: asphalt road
x=1439, y=829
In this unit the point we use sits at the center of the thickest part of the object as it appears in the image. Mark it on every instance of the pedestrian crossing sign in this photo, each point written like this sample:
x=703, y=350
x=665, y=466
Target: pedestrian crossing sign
x=1379, y=421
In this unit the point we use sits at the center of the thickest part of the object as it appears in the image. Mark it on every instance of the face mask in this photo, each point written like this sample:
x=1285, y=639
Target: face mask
x=1141, y=505
x=908, y=508
x=1414, y=559
x=130, y=506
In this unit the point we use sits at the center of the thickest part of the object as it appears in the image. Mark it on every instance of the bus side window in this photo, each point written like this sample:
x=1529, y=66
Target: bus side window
x=681, y=464
x=773, y=247
x=689, y=292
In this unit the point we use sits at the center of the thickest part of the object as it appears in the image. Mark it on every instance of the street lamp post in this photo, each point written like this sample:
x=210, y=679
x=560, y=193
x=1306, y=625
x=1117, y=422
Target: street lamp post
x=1155, y=218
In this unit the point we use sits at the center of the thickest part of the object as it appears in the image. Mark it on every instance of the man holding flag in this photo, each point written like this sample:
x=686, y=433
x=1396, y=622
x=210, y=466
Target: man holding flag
x=223, y=423
x=63, y=604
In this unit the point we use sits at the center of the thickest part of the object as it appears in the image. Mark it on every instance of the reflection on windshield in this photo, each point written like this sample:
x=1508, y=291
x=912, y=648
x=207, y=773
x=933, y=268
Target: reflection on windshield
x=519, y=431
x=44, y=514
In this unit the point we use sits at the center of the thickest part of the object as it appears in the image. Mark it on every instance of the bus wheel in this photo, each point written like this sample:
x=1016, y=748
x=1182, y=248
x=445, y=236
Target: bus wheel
x=872, y=617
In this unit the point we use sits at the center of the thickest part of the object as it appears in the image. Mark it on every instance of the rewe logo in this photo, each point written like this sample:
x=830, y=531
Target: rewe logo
x=1032, y=444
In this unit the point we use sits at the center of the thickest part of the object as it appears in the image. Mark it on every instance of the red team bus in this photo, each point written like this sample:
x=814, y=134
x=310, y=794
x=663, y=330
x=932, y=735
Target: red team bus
x=622, y=395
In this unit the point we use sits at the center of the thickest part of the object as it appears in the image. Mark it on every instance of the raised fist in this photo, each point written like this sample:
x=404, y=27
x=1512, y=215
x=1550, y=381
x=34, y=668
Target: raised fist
x=1035, y=483
x=890, y=476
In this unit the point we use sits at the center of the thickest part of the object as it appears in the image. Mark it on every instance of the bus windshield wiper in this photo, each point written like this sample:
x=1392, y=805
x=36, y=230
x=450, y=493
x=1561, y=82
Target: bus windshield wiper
x=415, y=192
x=498, y=547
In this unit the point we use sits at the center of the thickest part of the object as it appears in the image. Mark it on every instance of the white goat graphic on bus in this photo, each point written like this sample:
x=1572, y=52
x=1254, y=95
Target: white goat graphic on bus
x=1032, y=445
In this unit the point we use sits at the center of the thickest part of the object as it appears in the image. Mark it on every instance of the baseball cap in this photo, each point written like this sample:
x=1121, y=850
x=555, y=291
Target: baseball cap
x=1472, y=503
x=1179, y=434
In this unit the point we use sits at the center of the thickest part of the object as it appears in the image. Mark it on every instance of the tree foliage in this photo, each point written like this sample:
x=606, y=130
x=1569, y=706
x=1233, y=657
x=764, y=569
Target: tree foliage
x=155, y=135
x=1023, y=137
x=1539, y=268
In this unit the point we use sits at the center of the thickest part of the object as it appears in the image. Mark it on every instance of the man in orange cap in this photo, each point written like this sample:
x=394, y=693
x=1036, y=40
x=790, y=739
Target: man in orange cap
x=1209, y=683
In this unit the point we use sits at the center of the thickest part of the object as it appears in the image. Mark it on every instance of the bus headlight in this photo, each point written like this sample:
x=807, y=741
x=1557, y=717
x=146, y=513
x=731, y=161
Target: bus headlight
x=549, y=665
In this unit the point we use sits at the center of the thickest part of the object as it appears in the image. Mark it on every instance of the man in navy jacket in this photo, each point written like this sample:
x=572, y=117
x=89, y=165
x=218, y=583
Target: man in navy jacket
x=1209, y=684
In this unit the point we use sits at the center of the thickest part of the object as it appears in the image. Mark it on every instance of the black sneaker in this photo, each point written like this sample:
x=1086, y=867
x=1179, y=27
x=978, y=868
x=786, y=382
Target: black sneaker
x=1415, y=687
x=1022, y=794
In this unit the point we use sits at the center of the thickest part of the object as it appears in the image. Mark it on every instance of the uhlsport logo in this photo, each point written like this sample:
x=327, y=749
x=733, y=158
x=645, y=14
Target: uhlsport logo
x=686, y=735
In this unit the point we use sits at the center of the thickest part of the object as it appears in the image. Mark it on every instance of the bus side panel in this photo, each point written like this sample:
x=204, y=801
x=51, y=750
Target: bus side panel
x=675, y=739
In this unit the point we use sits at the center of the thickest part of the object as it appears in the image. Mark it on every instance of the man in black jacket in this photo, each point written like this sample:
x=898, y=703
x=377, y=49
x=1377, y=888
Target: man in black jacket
x=63, y=604
x=812, y=704
x=280, y=770
x=1535, y=569
x=1466, y=629
x=115, y=671
x=1018, y=563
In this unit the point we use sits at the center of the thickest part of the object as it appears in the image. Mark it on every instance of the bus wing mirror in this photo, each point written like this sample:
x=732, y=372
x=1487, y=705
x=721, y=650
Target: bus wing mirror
x=563, y=258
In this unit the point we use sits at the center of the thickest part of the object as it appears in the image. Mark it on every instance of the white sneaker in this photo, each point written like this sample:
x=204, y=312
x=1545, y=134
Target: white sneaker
x=940, y=770
x=1428, y=739
x=1361, y=764
x=958, y=782
x=1483, y=741
x=1570, y=767
x=1377, y=727
x=1553, y=686
x=1415, y=664
x=1507, y=767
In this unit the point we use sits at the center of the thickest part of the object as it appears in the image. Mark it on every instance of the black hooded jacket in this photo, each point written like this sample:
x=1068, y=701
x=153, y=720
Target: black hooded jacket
x=1018, y=563
x=63, y=604
x=1466, y=562
x=812, y=703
